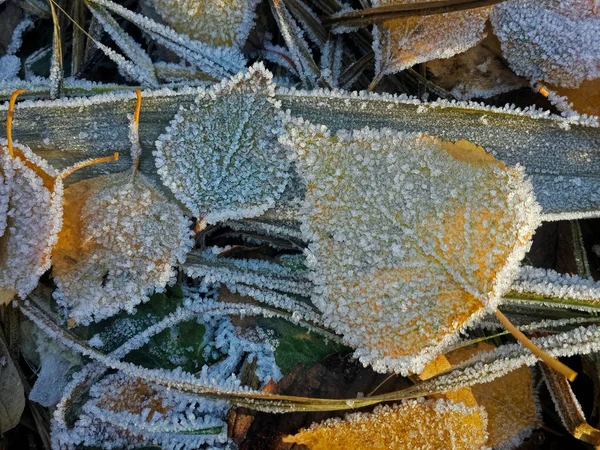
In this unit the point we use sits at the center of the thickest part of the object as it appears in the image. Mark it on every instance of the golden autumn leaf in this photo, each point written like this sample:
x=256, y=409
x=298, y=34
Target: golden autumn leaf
x=30, y=214
x=404, y=42
x=509, y=400
x=414, y=425
x=119, y=242
x=411, y=237
x=222, y=22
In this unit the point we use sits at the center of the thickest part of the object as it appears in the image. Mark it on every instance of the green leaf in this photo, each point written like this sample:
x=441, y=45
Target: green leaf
x=297, y=345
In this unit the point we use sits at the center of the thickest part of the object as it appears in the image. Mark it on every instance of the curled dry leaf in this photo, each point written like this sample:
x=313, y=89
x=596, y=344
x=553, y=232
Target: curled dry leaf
x=119, y=241
x=220, y=156
x=402, y=43
x=215, y=22
x=554, y=41
x=416, y=424
x=508, y=401
x=411, y=237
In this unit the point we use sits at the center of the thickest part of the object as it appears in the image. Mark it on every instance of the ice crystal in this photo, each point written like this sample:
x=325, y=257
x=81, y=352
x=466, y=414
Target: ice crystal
x=119, y=242
x=220, y=156
x=253, y=272
x=549, y=283
x=216, y=22
x=140, y=68
x=218, y=61
x=299, y=49
x=414, y=424
x=412, y=237
x=545, y=40
x=402, y=43
x=32, y=220
x=10, y=65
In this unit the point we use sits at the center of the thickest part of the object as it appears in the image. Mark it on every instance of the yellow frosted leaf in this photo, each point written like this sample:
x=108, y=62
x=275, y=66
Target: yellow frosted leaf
x=413, y=425
x=216, y=22
x=411, y=237
x=508, y=400
x=404, y=42
x=119, y=241
x=585, y=98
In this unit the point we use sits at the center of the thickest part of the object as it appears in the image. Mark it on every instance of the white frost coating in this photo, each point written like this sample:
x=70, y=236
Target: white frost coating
x=33, y=220
x=487, y=366
x=251, y=272
x=402, y=43
x=10, y=65
x=143, y=64
x=557, y=41
x=52, y=378
x=273, y=229
x=128, y=68
x=17, y=36
x=549, y=283
x=220, y=157
x=408, y=244
x=296, y=43
x=134, y=236
x=219, y=61
x=403, y=99
x=216, y=22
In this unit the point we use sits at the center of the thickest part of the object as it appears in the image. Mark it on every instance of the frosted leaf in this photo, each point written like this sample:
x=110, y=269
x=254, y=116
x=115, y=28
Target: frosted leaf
x=414, y=424
x=56, y=364
x=10, y=65
x=216, y=22
x=217, y=61
x=412, y=237
x=220, y=157
x=254, y=272
x=568, y=407
x=33, y=219
x=402, y=43
x=548, y=283
x=119, y=242
x=509, y=401
x=299, y=49
x=550, y=40
x=144, y=69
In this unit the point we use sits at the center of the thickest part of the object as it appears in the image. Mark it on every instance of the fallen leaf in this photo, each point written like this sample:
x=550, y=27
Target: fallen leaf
x=119, y=241
x=430, y=424
x=402, y=43
x=220, y=157
x=411, y=237
x=557, y=42
x=224, y=22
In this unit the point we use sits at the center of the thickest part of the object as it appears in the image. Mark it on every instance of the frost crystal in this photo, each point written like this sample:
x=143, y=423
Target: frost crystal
x=402, y=43
x=118, y=245
x=32, y=220
x=412, y=237
x=220, y=156
x=414, y=424
x=557, y=41
x=216, y=22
